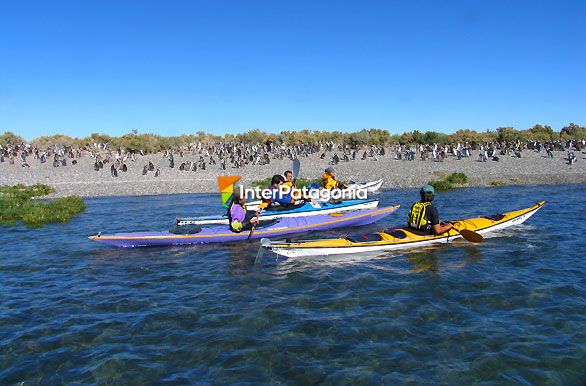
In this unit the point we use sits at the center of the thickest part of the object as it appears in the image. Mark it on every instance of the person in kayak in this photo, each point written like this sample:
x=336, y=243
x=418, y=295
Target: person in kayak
x=277, y=197
x=424, y=216
x=239, y=218
x=289, y=179
x=329, y=181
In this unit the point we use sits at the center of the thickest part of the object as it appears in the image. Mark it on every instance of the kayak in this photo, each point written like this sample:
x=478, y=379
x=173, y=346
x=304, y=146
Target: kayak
x=304, y=209
x=399, y=238
x=221, y=234
x=370, y=187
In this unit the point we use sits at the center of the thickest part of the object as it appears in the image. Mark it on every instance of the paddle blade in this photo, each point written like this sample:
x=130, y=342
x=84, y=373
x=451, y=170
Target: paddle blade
x=471, y=236
x=296, y=167
x=261, y=250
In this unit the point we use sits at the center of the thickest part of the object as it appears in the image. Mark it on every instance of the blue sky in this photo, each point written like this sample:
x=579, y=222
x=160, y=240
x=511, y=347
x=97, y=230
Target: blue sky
x=173, y=67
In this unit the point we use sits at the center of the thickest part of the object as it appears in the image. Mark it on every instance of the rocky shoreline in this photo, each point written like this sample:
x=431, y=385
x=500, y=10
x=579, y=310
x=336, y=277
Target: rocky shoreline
x=82, y=180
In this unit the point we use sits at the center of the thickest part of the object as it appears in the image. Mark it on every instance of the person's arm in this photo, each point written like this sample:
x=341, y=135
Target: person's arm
x=437, y=227
x=440, y=228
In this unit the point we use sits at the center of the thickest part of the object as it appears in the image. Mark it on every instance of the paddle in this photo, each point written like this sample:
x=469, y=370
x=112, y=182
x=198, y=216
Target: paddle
x=296, y=167
x=469, y=235
x=251, y=233
x=264, y=243
x=253, y=227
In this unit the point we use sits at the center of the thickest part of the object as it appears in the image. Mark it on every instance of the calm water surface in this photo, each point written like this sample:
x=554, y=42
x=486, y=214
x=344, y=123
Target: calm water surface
x=511, y=310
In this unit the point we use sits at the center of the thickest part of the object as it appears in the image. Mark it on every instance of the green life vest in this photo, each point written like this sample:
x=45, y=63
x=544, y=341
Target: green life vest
x=416, y=217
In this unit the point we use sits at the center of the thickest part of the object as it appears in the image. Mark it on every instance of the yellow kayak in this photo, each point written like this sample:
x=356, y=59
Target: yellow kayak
x=399, y=238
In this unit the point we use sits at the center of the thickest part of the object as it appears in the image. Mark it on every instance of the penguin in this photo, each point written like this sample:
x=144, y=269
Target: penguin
x=158, y=172
x=145, y=170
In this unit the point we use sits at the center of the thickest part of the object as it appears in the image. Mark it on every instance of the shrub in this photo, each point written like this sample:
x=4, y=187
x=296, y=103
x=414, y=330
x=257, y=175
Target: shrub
x=441, y=185
x=17, y=203
x=301, y=182
x=457, y=178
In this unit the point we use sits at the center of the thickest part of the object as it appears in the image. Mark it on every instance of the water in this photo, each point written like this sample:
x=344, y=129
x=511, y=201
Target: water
x=511, y=310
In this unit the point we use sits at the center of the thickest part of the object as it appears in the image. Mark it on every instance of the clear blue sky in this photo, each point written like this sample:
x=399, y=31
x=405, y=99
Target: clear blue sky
x=172, y=67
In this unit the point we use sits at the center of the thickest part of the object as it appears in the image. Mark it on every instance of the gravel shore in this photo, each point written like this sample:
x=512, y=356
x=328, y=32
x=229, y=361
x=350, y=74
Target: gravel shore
x=82, y=180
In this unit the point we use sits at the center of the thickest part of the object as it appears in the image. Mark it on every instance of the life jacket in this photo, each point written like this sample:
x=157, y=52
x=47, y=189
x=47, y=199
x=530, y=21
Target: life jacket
x=328, y=181
x=234, y=202
x=291, y=185
x=416, y=217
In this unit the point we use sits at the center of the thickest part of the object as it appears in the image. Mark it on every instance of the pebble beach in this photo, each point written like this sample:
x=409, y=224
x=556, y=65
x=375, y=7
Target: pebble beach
x=81, y=179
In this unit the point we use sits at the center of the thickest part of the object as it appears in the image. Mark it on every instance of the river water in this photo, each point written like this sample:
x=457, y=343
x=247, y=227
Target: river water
x=511, y=310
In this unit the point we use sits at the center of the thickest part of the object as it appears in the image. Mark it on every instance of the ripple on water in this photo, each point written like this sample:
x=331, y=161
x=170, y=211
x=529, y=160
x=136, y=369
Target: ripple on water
x=511, y=310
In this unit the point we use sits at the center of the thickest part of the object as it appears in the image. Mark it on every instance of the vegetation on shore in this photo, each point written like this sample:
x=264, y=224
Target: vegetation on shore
x=21, y=203
x=300, y=182
x=152, y=143
x=449, y=182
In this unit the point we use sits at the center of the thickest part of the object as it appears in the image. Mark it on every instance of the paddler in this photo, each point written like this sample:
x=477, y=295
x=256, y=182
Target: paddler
x=424, y=216
x=277, y=197
x=239, y=218
x=292, y=184
x=329, y=181
x=289, y=179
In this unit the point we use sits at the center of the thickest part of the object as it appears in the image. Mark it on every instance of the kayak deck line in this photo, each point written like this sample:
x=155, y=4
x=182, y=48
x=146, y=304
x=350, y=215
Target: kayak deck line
x=232, y=234
x=335, y=246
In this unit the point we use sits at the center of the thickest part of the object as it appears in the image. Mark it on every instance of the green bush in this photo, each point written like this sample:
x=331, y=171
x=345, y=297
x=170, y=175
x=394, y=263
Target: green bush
x=18, y=203
x=441, y=185
x=300, y=182
x=457, y=178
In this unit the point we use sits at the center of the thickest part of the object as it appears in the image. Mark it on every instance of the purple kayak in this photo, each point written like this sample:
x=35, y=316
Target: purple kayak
x=221, y=234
